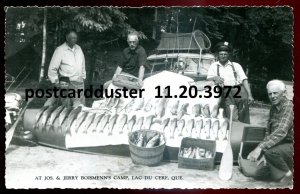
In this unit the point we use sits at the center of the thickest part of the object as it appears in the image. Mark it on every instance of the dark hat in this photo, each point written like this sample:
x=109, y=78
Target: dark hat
x=64, y=79
x=223, y=46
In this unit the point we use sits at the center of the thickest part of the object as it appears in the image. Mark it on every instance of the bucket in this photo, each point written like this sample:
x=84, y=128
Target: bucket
x=146, y=156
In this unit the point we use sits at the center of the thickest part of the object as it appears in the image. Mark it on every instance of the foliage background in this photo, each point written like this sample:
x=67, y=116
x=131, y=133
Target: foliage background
x=262, y=37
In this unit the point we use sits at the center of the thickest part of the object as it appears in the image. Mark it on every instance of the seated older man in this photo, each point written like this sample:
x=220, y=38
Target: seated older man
x=277, y=147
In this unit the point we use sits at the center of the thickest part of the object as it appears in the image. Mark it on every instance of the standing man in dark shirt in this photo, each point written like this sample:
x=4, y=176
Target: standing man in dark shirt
x=277, y=147
x=134, y=60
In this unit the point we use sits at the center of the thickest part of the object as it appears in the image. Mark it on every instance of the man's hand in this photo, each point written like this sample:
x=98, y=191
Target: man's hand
x=219, y=80
x=250, y=99
x=254, y=155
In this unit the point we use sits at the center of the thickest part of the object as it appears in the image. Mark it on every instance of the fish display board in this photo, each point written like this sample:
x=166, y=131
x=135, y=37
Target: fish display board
x=110, y=120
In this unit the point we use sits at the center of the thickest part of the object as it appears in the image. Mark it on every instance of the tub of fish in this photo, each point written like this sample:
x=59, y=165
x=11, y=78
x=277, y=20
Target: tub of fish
x=197, y=154
x=146, y=147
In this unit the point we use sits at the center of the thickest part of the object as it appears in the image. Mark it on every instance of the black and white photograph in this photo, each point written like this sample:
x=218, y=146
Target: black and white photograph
x=149, y=97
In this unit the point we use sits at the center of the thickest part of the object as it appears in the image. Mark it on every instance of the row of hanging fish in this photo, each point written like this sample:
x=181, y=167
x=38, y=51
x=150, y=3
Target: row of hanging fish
x=195, y=152
x=203, y=128
x=140, y=140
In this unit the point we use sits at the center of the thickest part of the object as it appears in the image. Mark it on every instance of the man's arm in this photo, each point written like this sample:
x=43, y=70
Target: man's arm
x=142, y=62
x=141, y=72
x=247, y=88
x=54, y=66
x=280, y=132
x=212, y=75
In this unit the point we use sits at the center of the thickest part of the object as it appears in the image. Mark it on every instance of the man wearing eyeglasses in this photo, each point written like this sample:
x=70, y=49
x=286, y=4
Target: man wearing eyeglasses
x=134, y=60
x=227, y=73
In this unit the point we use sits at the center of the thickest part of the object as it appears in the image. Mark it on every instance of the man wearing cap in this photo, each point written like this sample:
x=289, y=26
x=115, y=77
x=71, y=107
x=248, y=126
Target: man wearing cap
x=277, y=146
x=134, y=59
x=227, y=73
x=68, y=61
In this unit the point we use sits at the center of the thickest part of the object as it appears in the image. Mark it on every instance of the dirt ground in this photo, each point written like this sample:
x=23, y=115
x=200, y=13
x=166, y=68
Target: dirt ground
x=24, y=165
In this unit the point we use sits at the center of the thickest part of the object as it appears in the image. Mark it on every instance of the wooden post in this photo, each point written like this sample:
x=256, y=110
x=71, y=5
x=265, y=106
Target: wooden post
x=154, y=25
x=42, y=70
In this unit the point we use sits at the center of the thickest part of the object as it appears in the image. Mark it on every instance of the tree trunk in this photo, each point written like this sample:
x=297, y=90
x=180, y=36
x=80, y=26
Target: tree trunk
x=154, y=25
x=42, y=70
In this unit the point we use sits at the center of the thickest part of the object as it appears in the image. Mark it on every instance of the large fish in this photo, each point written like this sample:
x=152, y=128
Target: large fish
x=45, y=117
x=112, y=123
x=214, y=112
x=121, y=122
x=92, y=128
x=38, y=116
x=187, y=152
x=182, y=111
x=154, y=141
x=199, y=126
x=164, y=124
x=172, y=127
x=102, y=124
x=207, y=128
x=129, y=106
x=111, y=102
x=174, y=108
x=148, y=122
x=131, y=123
x=215, y=129
x=190, y=126
x=139, y=123
x=53, y=116
x=196, y=110
x=205, y=111
x=77, y=122
x=86, y=123
x=180, y=126
x=66, y=123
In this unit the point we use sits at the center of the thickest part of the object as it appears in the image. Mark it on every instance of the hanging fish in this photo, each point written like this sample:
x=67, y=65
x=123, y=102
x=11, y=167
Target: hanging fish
x=148, y=105
x=215, y=129
x=172, y=127
x=66, y=123
x=139, y=123
x=205, y=111
x=38, y=116
x=190, y=126
x=93, y=127
x=131, y=123
x=207, y=128
x=53, y=116
x=122, y=119
x=196, y=110
x=148, y=122
x=224, y=128
x=102, y=124
x=138, y=104
x=199, y=126
x=164, y=124
x=180, y=126
x=154, y=141
x=112, y=123
x=77, y=122
x=160, y=108
x=174, y=108
x=214, y=112
x=182, y=111
x=65, y=114
x=86, y=123
x=45, y=117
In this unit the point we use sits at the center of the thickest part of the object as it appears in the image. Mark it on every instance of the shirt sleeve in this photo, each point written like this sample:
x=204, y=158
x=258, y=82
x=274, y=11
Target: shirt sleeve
x=281, y=130
x=240, y=72
x=142, y=57
x=83, y=66
x=54, y=66
x=212, y=71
